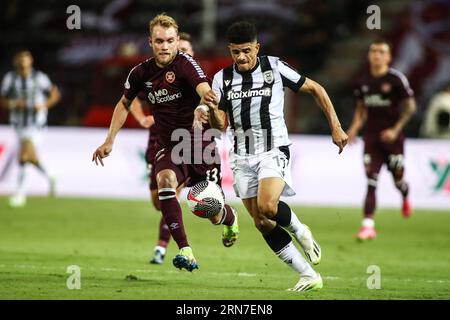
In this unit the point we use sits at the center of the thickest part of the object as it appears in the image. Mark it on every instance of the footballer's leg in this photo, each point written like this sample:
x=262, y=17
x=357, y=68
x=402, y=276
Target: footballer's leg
x=274, y=180
x=168, y=176
x=160, y=249
x=30, y=150
x=228, y=216
x=372, y=161
x=279, y=211
x=159, y=252
x=396, y=167
x=281, y=244
x=19, y=197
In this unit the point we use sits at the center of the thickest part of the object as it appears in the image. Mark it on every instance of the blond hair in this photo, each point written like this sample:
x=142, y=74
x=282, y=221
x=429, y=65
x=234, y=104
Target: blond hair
x=162, y=20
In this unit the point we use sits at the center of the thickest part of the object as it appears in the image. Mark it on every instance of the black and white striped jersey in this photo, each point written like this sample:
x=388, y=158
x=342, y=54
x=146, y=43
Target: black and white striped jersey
x=254, y=103
x=34, y=89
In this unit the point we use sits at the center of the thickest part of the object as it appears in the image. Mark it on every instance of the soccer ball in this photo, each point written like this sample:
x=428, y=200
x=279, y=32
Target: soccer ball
x=206, y=199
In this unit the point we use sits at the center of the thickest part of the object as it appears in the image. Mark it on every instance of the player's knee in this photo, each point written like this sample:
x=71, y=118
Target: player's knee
x=166, y=179
x=397, y=174
x=268, y=208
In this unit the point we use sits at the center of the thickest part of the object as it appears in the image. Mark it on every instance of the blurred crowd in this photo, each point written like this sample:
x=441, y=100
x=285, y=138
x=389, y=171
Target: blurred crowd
x=90, y=64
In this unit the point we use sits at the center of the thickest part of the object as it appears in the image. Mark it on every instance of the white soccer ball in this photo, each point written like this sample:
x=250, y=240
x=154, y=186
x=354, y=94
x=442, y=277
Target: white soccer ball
x=206, y=199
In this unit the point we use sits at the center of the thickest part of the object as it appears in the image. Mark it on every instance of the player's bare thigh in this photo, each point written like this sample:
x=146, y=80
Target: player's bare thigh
x=27, y=152
x=269, y=192
x=265, y=205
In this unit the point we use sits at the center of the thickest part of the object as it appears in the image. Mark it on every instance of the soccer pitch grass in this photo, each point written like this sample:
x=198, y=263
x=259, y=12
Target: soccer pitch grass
x=112, y=241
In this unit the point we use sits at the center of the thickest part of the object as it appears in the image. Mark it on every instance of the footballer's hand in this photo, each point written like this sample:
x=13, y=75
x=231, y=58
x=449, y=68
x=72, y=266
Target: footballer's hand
x=147, y=122
x=102, y=152
x=389, y=135
x=352, y=136
x=340, y=138
x=210, y=99
x=201, y=115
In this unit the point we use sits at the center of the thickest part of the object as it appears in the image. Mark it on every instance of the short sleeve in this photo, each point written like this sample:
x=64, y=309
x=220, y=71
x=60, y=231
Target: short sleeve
x=44, y=82
x=404, y=87
x=218, y=90
x=6, y=85
x=290, y=77
x=192, y=72
x=133, y=83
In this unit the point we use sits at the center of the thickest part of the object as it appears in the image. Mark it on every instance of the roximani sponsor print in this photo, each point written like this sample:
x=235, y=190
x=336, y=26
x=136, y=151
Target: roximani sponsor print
x=263, y=92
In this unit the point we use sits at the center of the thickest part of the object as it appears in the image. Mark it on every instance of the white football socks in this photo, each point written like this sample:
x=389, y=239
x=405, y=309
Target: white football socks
x=293, y=258
x=161, y=249
x=21, y=181
x=296, y=227
x=369, y=223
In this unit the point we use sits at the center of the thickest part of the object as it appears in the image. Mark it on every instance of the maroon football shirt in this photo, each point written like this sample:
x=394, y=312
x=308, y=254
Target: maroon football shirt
x=171, y=91
x=382, y=96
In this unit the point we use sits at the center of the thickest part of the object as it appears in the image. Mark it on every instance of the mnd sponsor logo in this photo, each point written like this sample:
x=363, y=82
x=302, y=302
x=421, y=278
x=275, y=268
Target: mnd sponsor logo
x=262, y=92
x=162, y=96
x=376, y=100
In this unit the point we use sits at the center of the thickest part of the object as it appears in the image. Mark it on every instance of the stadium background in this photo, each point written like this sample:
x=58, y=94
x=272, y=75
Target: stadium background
x=326, y=40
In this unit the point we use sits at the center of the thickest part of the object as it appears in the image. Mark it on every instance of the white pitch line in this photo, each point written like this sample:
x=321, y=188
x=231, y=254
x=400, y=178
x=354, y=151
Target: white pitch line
x=231, y=274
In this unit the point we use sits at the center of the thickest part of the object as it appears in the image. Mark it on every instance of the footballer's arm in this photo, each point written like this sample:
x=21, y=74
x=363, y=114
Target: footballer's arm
x=409, y=108
x=53, y=98
x=323, y=100
x=216, y=117
x=118, y=119
x=138, y=113
x=359, y=118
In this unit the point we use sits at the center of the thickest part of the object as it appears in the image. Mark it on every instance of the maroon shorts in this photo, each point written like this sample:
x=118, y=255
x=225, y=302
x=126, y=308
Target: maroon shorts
x=377, y=153
x=189, y=174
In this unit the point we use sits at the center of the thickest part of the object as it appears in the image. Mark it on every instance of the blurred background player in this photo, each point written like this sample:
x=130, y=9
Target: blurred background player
x=385, y=102
x=159, y=252
x=251, y=93
x=174, y=82
x=28, y=94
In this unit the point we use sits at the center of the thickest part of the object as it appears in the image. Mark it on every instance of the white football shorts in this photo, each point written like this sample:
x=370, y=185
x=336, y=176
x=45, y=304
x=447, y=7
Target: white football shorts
x=34, y=134
x=248, y=170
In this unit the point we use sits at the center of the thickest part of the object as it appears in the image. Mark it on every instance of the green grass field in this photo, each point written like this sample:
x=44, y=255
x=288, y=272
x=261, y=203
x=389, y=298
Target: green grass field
x=111, y=241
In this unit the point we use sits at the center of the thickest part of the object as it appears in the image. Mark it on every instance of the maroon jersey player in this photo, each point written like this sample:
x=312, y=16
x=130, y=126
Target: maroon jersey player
x=173, y=82
x=385, y=102
x=159, y=251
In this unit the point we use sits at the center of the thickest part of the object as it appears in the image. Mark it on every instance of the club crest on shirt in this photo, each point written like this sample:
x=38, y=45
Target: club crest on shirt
x=268, y=76
x=170, y=76
x=386, y=87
